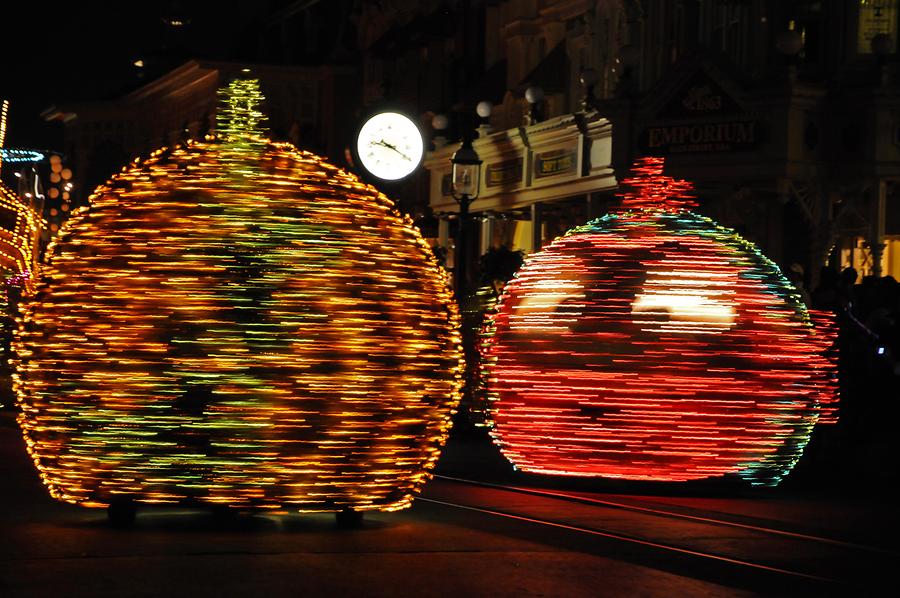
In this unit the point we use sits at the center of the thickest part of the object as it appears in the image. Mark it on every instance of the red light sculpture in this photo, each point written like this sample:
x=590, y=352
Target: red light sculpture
x=653, y=344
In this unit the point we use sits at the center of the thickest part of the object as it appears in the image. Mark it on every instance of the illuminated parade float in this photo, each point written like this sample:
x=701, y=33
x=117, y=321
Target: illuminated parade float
x=19, y=225
x=19, y=236
x=653, y=344
x=236, y=322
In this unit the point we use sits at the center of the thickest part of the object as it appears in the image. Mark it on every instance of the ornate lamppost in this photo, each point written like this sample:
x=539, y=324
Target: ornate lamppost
x=466, y=180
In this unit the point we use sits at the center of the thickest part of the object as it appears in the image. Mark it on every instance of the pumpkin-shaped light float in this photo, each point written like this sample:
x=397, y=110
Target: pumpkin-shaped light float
x=237, y=322
x=653, y=344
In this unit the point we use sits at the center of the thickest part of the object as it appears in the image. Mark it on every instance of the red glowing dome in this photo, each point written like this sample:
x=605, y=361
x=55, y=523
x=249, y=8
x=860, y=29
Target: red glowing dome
x=653, y=344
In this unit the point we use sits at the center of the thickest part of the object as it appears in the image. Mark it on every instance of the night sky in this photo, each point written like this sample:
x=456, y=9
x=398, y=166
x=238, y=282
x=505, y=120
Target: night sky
x=87, y=50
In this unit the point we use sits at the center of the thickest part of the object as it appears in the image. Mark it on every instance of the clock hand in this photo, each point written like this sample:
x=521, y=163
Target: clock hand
x=384, y=143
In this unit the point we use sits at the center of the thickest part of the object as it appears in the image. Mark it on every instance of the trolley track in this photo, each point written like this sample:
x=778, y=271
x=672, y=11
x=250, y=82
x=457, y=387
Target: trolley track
x=589, y=500
x=816, y=562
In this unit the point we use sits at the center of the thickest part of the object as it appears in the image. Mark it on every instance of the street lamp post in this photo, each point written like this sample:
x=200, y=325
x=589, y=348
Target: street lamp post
x=466, y=179
x=789, y=44
x=534, y=95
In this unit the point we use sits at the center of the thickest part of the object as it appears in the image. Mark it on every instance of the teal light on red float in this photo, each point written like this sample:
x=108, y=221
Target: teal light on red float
x=653, y=344
x=237, y=322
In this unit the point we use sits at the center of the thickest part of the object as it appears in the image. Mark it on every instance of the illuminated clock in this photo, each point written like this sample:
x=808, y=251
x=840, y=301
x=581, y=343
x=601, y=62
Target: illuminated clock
x=390, y=146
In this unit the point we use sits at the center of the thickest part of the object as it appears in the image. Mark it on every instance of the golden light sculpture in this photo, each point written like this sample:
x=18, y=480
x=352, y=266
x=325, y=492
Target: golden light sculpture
x=237, y=322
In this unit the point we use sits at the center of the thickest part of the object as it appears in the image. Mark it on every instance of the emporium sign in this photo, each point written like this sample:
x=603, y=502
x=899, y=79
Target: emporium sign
x=736, y=135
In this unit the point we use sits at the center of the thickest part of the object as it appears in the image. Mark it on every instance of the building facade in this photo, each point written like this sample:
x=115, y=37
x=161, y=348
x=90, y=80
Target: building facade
x=783, y=113
x=304, y=105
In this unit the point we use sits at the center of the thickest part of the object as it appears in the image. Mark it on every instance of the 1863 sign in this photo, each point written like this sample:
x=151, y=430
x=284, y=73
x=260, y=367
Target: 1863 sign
x=701, y=137
x=700, y=96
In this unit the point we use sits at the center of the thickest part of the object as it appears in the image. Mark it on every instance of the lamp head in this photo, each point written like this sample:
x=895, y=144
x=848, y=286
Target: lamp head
x=484, y=109
x=440, y=122
x=466, y=171
x=534, y=94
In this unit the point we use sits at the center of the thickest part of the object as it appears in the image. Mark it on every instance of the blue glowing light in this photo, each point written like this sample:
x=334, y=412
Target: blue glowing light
x=20, y=155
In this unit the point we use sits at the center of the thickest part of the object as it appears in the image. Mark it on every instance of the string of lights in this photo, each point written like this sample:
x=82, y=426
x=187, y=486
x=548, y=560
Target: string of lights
x=13, y=155
x=234, y=321
x=19, y=230
x=4, y=115
x=653, y=344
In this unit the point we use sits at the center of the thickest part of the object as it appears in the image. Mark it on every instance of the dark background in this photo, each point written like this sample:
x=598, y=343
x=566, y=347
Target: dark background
x=63, y=52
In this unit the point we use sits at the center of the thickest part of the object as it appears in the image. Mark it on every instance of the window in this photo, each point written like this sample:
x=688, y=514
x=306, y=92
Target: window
x=807, y=21
x=856, y=252
x=876, y=16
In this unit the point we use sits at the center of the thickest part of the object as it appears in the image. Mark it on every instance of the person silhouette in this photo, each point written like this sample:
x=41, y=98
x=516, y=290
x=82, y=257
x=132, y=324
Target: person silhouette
x=795, y=276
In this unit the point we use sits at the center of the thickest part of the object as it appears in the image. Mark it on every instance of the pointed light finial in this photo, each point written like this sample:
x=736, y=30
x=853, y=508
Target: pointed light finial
x=239, y=114
x=649, y=189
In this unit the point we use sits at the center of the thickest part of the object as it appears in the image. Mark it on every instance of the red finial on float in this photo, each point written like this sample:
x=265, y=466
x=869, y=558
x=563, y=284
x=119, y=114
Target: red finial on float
x=650, y=189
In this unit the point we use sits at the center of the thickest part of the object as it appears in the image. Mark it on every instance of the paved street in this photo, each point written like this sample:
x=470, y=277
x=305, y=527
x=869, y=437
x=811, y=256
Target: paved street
x=461, y=539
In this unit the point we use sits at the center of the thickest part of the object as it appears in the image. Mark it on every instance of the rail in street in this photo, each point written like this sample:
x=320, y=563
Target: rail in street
x=760, y=555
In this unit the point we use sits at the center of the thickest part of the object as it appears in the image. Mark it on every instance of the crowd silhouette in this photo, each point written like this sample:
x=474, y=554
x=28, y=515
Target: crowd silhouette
x=860, y=448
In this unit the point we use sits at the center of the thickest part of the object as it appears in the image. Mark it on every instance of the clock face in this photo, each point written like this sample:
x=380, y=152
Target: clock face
x=390, y=146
